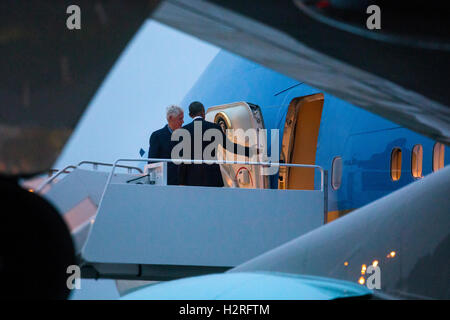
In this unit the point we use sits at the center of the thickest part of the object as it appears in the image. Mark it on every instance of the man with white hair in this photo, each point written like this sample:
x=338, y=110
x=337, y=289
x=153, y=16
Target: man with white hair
x=161, y=144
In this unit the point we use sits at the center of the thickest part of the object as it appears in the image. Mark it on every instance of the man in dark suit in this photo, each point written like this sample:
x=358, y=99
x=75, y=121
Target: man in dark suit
x=207, y=175
x=161, y=144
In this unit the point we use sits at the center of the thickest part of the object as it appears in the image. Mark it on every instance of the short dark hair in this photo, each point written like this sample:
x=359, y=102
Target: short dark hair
x=196, y=108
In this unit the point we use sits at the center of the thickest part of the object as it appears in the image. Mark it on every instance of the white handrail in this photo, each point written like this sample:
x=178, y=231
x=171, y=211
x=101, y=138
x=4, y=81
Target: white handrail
x=53, y=177
x=266, y=164
x=94, y=163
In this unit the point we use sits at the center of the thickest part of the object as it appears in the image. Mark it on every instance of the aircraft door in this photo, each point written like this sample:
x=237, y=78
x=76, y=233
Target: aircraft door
x=240, y=115
x=299, y=144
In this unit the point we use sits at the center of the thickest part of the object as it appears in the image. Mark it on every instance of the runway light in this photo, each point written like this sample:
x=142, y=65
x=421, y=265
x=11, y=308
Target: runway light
x=391, y=254
x=361, y=280
x=363, y=269
x=375, y=263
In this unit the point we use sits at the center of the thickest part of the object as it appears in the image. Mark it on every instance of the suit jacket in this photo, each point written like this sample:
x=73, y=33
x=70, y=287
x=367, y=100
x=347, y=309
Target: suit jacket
x=161, y=147
x=207, y=175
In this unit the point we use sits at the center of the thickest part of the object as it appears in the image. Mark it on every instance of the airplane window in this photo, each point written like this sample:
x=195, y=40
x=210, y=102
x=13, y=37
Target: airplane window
x=438, y=156
x=336, y=173
x=416, y=161
x=396, y=164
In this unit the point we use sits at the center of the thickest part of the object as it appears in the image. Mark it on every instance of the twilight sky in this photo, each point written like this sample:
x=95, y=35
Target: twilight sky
x=157, y=69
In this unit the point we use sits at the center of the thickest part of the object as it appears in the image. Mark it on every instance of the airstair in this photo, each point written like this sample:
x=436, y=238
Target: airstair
x=134, y=226
x=76, y=191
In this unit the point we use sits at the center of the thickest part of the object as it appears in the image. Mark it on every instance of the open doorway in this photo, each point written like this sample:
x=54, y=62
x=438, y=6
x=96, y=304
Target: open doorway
x=299, y=144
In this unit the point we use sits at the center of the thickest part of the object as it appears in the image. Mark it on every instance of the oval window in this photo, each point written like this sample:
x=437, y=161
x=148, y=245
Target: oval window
x=336, y=173
x=438, y=156
x=416, y=161
x=396, y=164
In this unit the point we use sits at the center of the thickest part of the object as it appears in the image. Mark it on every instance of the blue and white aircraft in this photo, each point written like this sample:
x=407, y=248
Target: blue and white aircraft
x=363, y=215
x=379, y=171
x=313, y=232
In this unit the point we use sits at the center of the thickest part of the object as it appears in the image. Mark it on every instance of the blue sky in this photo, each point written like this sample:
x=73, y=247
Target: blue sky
x=157, y=69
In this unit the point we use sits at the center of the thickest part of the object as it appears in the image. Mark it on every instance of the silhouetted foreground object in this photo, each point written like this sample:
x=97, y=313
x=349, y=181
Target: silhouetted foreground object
x=35, y=246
